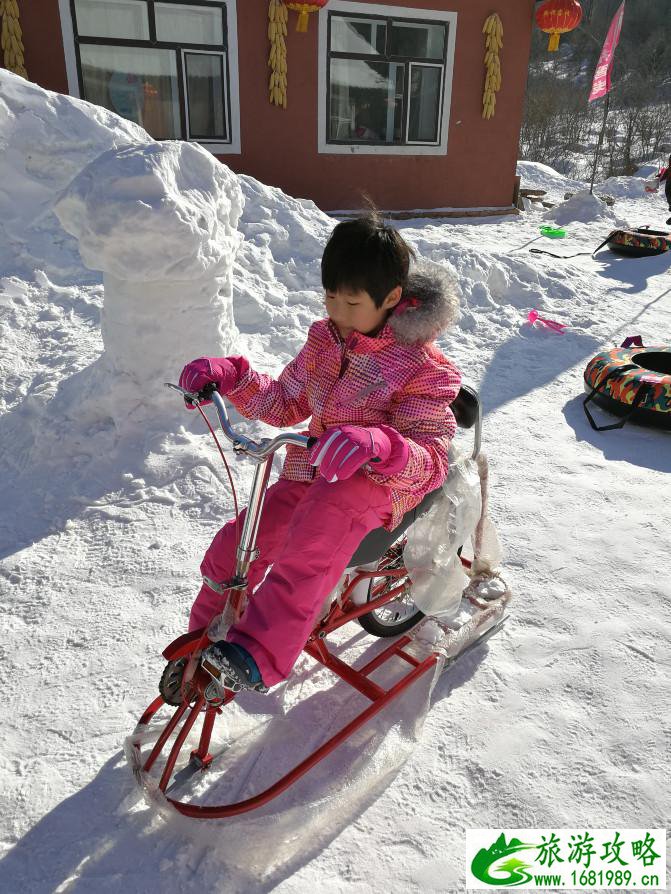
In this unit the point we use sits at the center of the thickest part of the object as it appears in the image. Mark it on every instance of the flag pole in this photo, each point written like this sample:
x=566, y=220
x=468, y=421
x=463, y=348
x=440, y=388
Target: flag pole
x=601, y=85
x=606, y=106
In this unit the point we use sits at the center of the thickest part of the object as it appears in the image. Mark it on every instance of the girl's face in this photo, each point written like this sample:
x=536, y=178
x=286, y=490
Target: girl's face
x=357, y=312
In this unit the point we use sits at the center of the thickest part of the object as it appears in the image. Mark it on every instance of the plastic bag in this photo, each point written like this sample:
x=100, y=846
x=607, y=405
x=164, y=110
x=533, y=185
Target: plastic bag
x=430, y=554
x=651, y=184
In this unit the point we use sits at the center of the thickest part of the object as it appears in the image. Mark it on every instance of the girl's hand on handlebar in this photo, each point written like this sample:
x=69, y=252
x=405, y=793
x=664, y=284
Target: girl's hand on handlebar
x=223, y=372
x=342, y=451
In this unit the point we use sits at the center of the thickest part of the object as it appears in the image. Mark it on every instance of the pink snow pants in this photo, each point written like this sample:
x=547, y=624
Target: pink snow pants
x=309, y=531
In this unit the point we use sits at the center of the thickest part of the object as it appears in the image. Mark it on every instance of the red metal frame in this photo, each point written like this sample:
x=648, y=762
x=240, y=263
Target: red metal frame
x=341, y=612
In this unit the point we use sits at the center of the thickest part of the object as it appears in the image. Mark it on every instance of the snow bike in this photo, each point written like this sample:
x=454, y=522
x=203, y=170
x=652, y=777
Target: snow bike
x=376, y=592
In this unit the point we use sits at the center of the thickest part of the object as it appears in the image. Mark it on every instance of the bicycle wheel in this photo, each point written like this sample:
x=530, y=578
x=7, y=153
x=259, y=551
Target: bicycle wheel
x=399, y=615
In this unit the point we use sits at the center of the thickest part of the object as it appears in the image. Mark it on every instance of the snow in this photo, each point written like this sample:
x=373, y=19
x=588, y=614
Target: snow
x=582, y=207
x=539, y=176
x=560, y=721
x=157, y=219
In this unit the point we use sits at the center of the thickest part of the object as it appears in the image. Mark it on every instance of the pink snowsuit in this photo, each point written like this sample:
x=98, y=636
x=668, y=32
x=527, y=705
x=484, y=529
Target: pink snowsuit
x=310, y=528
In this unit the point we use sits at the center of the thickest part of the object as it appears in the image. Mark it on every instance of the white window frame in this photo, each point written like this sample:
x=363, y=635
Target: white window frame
x=222, y=55
x=216, y=148
x=324, y=147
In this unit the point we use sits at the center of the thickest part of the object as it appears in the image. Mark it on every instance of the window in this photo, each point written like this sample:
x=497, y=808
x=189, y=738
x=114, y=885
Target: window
x=386, y=73
x=164, y=65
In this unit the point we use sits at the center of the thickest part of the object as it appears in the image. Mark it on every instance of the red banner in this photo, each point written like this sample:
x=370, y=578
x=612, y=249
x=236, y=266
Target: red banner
x=601, y=83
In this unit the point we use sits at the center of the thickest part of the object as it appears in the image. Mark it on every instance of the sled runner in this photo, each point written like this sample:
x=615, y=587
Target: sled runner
x=378, y=596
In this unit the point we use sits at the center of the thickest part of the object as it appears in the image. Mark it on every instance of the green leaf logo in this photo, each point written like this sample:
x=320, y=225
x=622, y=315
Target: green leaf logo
x=510, y=872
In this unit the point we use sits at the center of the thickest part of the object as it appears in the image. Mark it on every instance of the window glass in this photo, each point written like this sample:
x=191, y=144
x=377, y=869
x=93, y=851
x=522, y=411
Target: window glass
x=112, y=18
x=424, y=103
x=179, y=23
x=137, y=83
x=417, y=41
x=358, y=35
x=204, y=74
x=366, y=101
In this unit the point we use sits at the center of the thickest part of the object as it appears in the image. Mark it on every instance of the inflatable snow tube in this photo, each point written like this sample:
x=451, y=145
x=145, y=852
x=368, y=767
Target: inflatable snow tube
x=639, y=243
x=632, y=382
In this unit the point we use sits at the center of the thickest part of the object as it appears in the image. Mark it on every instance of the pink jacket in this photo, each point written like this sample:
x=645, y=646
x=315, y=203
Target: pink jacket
x=398, y=378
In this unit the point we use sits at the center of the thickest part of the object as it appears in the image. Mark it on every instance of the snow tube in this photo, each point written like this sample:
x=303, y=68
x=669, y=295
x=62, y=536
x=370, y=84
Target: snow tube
x=639, y=243
x=634, y=383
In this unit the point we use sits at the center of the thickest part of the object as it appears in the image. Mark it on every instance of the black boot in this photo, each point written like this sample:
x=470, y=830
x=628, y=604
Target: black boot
x=232, y=667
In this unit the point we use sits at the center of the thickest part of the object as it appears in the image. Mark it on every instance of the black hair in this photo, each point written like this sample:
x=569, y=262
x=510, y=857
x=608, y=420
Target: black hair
x=364, y=254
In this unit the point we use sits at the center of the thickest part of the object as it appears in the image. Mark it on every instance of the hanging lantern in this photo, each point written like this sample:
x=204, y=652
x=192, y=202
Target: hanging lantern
x=557, y=17
x=304, y=10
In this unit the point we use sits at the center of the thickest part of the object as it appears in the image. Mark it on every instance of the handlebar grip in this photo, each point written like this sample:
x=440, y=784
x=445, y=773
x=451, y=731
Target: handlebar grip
x=204, y=394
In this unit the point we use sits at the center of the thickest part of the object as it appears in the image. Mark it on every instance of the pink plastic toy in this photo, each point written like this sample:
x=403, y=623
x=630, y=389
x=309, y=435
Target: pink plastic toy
x=550, y=324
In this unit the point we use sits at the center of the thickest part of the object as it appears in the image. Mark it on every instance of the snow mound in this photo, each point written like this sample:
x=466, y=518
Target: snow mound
x=624, y=187
x=45, y=140
x=277, y=289
x=539, y=176
x=581, y=208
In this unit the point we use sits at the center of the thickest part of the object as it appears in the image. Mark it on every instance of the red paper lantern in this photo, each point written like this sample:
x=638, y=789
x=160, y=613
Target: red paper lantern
x=556, y=17
x=304, y=10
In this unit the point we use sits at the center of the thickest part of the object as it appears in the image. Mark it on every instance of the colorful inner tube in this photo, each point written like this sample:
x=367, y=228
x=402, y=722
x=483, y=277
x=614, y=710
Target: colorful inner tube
x=639, y=243
x=625, y=377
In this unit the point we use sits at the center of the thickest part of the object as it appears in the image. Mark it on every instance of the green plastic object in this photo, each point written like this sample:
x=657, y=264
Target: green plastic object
x=553, y=232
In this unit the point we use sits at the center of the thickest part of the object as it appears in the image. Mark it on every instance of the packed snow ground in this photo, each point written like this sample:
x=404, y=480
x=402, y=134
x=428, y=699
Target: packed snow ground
x=562, y=720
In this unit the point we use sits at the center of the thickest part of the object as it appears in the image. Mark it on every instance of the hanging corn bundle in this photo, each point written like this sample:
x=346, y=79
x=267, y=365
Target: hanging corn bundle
x=493, y=31
x=11, y=38
x=277, y=60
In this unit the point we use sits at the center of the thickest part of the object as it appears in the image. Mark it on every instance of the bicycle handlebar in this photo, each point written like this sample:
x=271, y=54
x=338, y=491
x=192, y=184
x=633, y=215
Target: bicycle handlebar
x=241, y=443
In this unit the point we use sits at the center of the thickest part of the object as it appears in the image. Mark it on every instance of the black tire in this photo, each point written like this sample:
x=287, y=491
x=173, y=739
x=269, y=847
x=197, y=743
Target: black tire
x=382, y=622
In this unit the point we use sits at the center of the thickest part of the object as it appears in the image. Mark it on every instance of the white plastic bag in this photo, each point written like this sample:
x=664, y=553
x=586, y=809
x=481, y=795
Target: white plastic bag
x=651, y=184
x=430, y=554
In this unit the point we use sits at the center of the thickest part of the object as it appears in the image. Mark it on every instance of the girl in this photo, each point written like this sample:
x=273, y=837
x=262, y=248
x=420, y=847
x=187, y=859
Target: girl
x=665, y=177
x=378, y=392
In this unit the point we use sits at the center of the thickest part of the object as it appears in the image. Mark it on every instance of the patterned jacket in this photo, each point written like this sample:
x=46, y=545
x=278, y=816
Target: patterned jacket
x=398, y=378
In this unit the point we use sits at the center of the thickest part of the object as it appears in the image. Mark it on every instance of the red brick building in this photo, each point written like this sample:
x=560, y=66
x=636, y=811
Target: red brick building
x=382, y=97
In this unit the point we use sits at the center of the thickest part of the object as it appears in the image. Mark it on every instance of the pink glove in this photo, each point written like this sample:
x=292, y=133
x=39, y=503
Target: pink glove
x=225, y=372
x=342, y=451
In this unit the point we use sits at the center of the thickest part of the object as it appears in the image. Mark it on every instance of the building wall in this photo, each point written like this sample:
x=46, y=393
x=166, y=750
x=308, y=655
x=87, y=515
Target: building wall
x=279, y=146
x=43, y=43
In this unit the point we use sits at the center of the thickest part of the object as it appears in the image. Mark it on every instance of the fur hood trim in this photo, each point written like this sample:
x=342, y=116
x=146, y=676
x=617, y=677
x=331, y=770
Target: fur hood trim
x=435, y=306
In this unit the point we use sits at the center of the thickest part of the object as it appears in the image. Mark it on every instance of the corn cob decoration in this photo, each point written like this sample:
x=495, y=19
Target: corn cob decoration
x=277, y=60
x=11, y=40
x=493, y=31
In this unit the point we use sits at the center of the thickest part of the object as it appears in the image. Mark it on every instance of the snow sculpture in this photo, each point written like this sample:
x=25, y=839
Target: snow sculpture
x=160, y=221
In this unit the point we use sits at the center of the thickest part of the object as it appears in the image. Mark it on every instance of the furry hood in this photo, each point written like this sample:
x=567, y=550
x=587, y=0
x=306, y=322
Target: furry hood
x=429, y=304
